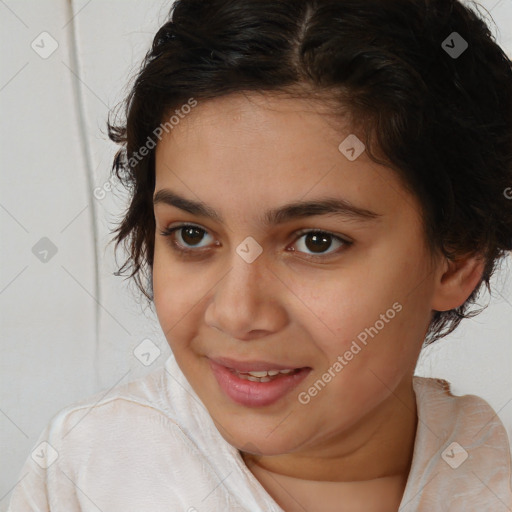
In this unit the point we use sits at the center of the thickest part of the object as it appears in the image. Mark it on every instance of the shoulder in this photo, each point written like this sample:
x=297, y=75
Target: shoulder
x=138, y=399
x=126, y=447
x=435, y=396
x=463, y=444
x=140, y=405
x=468, y=417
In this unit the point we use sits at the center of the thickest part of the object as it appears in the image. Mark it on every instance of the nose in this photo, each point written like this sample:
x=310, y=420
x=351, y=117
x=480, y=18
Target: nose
x=247, y=301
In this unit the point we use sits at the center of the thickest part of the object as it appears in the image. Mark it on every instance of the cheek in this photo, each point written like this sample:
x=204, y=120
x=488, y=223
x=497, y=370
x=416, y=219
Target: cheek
x=339, y=307
x=175, y=293
x=375, y=323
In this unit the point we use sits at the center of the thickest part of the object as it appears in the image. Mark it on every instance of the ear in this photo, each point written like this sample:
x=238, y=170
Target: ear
x=456, y=281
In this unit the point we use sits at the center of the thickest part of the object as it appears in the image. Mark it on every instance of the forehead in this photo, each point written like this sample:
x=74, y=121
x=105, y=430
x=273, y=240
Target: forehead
x=259, y=149
x=266, y=125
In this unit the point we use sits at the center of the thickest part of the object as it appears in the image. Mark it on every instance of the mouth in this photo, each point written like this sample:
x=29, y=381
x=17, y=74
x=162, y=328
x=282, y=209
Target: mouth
x=256, y=383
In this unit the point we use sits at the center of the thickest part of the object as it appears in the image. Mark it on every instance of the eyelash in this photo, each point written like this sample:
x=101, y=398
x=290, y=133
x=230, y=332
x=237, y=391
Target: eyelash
x=168, y=232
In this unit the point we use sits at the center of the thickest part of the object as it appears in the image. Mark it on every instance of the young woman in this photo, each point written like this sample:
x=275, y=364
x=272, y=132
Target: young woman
x=320, y=188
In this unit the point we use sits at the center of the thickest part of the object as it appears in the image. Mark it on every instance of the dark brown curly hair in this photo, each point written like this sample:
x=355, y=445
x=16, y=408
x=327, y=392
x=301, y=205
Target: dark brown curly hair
x=442, y=122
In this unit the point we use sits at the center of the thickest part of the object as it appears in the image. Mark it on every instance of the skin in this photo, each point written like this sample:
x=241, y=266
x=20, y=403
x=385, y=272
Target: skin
x=241, y=155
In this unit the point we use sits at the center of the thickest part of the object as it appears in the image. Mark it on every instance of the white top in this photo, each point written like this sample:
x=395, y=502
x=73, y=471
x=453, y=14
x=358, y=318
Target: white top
x=150, y=445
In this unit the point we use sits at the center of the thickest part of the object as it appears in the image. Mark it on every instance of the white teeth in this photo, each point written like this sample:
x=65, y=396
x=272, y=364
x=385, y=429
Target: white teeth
x=255, y=379
x=258, y=374
x=268, y=373
x=261, y=376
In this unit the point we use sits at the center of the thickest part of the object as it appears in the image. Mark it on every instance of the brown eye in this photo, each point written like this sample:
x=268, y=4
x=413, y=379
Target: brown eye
x=189, y=236
x=318, y=242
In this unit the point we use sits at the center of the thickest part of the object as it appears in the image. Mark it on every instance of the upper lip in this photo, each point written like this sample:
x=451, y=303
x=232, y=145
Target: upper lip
x=248, y=366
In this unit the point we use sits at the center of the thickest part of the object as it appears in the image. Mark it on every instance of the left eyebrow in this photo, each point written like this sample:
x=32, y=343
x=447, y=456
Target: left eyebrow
x=286, y=213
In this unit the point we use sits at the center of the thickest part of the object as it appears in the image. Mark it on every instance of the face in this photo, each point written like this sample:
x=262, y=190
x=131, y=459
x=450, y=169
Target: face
x=342, y=293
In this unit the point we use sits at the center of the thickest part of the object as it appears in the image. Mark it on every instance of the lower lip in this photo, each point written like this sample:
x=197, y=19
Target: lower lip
x=255, y=394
